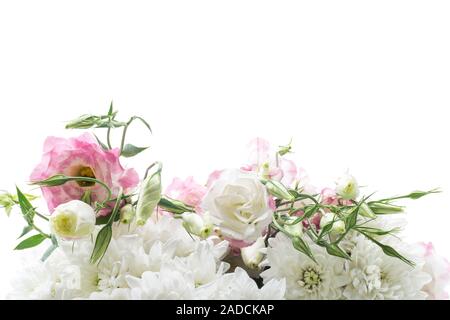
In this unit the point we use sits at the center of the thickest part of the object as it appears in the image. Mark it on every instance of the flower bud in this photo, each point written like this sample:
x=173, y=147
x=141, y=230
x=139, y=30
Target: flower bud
x=338, y=225
x=197, y=225
x=73, y=220
x=295, y=230
x=253, y=255
x=127, y=214
x=347, y=187
x=278, y=190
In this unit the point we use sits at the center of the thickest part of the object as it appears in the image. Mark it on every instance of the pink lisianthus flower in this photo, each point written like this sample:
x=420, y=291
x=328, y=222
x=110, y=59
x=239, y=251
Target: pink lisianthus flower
x=82, y=156
x=439, y=270
x=187, y=191
x=263, y=160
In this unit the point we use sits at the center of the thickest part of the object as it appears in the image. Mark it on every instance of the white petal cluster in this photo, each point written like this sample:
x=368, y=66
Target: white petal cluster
x=156, y=261
x=370, y=274
x=376, y=276
x=305, y=279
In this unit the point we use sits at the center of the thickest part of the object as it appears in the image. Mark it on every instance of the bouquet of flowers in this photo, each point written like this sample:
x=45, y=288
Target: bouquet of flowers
x=262, y=231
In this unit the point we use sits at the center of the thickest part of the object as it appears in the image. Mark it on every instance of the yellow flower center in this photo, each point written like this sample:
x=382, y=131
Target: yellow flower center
x=65, y=224
x=86, y=172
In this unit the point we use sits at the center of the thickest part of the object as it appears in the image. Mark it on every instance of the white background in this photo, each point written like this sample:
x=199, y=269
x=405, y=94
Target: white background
x=360, y=85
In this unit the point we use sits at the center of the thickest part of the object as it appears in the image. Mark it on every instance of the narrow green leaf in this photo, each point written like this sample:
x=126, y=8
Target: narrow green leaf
x=101, y=243
x=25, y=231
x=25, y=206
x=336, y=251
x=352, y=218
x=130, y=150
x=144, y=122
x=110, y=111
x=101, y=144
x=31, y=242
x=303, y=247
x=388, y=250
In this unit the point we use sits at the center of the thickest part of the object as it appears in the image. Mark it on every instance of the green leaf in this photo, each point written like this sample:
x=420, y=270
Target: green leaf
x=336, y=251
x=25, y=231
x=149, y=196
x=143, y=121
x=25, y=206
x=376, y=231
x=130, y=150
x=278, y=190
x=388, y=250
x=31, y=242
x=303, y=247
x=326, y=229
x=101, y=243
x=174, y=206
x=101, y=144
x=110, y=111
x=352, y=218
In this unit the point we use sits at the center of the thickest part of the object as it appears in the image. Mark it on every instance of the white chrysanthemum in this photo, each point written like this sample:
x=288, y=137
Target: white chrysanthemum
x=68, y=273
x=33, y=283
x=167, y=284
x=374, y=275
x=305, y=279
x=239, y=286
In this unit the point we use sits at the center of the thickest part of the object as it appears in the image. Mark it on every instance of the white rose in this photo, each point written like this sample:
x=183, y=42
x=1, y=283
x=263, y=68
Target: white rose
x=347, y=187
x=238, y=202
x=73, y=220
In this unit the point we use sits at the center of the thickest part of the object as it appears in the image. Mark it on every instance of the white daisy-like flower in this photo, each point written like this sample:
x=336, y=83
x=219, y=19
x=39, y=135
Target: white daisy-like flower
x=374, y=275
x=305, y=279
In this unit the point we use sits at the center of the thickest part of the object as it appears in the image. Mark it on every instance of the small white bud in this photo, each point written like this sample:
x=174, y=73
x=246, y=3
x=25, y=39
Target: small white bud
x=127, y=214
x=197, y=225
x=253, y=255
x=295, y=230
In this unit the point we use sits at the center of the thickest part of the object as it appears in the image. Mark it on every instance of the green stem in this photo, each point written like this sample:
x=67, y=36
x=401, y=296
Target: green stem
x=87, y=179
x=41, y=216
x=40, y=231
x=116, y=208
x=108, y=138
x=124, y=134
